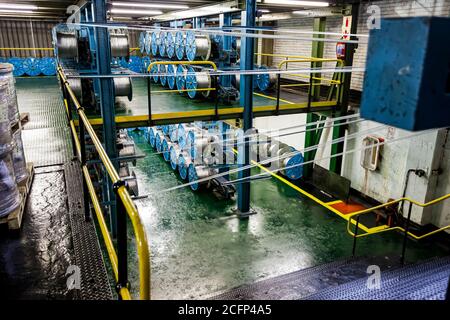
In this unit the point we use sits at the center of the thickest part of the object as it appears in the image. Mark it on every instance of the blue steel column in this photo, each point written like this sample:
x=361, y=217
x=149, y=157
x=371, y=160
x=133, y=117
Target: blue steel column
x=225, y=20
x=246, y=88
x=106, y=96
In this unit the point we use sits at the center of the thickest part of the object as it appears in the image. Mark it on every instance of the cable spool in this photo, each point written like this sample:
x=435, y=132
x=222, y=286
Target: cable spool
x=151, y=136
x=170, y=44
x=197, y=80
x=180, y=45
x=181, y=78
x=123, y=87
x=145, y=62
x=174, y=135
x=165, y=129
x=155, y=43
x=31, y=67
x=192, y=135
x=196, y=173
x=159, y=140
x=142, y=42
x=198, y=47
x=154, y=70
x=163, y=76
x=18, y=156
x=166, y=148
x=294, y=170
x=18, y=66
x=47, y=66
x=135, y=64
x=199, y=145
x=183, y=130
x=148, y=42
x=184, y=160
x=120, y=46
x=265, y=81
x=162, y=44
x=175, y=152
x=75, y=85
x=171, y=77
x=66, y=45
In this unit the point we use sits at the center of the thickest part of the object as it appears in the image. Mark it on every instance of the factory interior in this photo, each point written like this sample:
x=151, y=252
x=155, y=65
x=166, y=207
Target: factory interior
x=225, y=150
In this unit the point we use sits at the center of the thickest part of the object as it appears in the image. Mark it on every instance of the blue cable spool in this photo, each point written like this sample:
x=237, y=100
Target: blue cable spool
x=18, y=67
x=162, y=44
x=147, y=134
x=135, y=64
x=174, y=134
x=145, y=62
x=182, y=141
x=31, y=67
x=163, y=77
x=142, y=43
x=151, y=137
x=158, y=141
x=174, y=154
x=181, y=130
x=180, y=46
x=170, y=45
x=148, y=42
x=155, y=43
x=165, y=129
x=48, y=66
x=294, y=169
x=183, y=163
x=181, y=78
x=264, y=81
x=191, y=83
x=154, y=71
x=192, y=176
x=166, y=149
x=171, y=78
x=190, y=46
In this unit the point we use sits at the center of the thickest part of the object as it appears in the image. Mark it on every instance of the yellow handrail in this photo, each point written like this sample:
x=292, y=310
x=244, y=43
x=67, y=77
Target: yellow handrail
x=423, y=205
x=206, y=62
x=130, y=208
x=309, y=60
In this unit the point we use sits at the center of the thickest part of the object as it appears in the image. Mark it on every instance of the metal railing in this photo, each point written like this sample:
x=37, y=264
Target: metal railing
x=125, y=205
x=405, y=230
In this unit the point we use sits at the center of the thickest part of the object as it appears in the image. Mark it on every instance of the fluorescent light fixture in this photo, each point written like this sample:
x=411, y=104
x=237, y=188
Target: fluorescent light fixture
x=17, y=6
x=299, y=3
x=16, y=11
x=149, y=5
x=264, y=10
x=136, y=12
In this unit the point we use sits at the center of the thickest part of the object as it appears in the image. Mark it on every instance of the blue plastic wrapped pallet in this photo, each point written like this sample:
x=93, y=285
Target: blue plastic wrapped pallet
x=407, y=79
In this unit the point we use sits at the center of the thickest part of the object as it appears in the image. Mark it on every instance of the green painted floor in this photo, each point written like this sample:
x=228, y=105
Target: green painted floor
x=198, y=247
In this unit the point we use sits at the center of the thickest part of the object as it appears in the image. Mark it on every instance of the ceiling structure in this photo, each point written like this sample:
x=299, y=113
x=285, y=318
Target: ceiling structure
x=124, y=9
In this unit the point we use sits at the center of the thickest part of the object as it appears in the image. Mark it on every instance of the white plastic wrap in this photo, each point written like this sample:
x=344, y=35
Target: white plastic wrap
x=18, y=154
x=9, y=193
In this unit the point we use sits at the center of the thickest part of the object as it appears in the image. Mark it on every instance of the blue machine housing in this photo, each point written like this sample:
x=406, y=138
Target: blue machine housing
x=407, y=80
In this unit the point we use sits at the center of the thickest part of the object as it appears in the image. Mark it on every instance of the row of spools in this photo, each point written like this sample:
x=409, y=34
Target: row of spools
x=13, y=169
x=178, y=45
x=32, y=66
x=184, y=145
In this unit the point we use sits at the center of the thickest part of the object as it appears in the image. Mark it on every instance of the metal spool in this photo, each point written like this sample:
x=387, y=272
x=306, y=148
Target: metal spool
x=294, y=169
x=171, y=78
x=75, y=85
x=159, y=140
x=145, y=62
x=166, y=148
x=265, y=81
x=199, y=145
x=129, y=178
x=184, y=160
x=197, y=80
x=170, y=44
x=31, y=67
x=18, y=155
x=183, y=129
x=193, y=134
x=198, y=47
x=181, y=78
x=163, y=72
x=66, y=45
x=120, y=46
x=277, y=149
x=196, y=173
x=162, y=44
x=180, y=45
x=237, y=45
x=174, y=135
x=142, y=42
x=47, y=66
x=18, y=66
x=155, y=43
x=175, y=152
x=151, y=136
x=123, y=87
x=148, y=42
x=9, y=193
x=154, y=70
x=165, y=129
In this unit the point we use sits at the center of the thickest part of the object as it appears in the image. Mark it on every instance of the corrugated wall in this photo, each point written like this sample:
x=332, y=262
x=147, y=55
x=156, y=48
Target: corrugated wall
x=25, y=34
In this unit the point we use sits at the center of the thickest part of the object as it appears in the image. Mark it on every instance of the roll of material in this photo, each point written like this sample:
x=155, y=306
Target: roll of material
x=181, y=78
x=265, y=81
x=66, y=45
x=9, y=111
x=32, y=67
x=162, y=44
x=159, y=140
x=9, y=192
x=77, y=88
x=130, y=178
x=196, y=173
x=142, y=42
x=184, y=160
x=123, y=87
x=151, y=136
x=171, y=77
x=180, y=45
x=175, y=152
x=170, y=44
x=154, y=70
x=163, y=74
x=198, y=80
x=198, y=47
x=148, y=42
x=119, y=45
x=155, y=43
x=166, y=144
x=18, y=155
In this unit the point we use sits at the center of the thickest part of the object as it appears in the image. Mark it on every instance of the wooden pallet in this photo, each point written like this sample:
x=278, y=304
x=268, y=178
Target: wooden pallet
x=24, y=117
x=14, y=219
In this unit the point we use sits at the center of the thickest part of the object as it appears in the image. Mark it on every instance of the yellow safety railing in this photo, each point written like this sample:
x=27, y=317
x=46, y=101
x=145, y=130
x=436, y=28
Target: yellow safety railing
x=206, y=62
x=390, y=203
x=130, y=208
